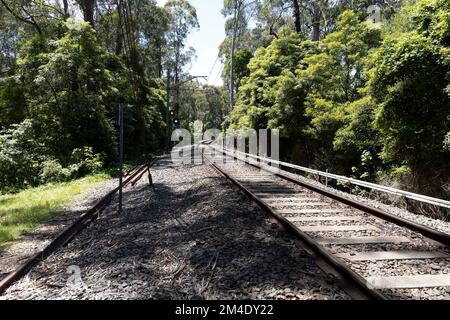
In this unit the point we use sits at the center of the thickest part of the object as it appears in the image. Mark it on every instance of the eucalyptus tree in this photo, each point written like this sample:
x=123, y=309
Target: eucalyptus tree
x=239, y=13
x=236, y=7
x=182, y=20
x=88, y=9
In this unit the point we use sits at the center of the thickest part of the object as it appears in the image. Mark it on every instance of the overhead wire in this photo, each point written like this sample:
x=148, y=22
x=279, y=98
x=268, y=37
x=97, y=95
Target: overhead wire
x=212, y=69
x=219, y=73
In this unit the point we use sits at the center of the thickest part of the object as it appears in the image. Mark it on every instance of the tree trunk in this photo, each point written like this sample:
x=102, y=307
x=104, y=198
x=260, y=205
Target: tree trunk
x=66, y=9
x=168, y=137
x=316, y=21
x=237, y=10
x=87, y=6
x=298, y=25
x=119, y=34
x=176, y=77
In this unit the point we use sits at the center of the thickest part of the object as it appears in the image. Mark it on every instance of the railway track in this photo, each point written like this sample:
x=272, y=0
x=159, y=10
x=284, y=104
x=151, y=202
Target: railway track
x=381, y=256
x=375, y=255
x=131, y=177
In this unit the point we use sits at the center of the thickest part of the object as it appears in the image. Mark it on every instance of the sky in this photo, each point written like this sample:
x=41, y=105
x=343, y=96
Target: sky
x=207, y=39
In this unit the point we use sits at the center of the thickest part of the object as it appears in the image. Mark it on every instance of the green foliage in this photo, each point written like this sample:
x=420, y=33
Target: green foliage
x=61, y=81
x=313, y=91
x=357, y=134
x=52, y=171
x=20, y=156
x=413, y=109
x=269, y=95
x=242, y=58
x=25, y=162
x=12, y=102
x=366, y=101
x=86, y=161
x=69, y=81
x=400, y=173
x=204, y=103
x=182, y=20
x=335, y=76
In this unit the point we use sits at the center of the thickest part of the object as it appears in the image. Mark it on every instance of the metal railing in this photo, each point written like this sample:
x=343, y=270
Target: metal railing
x=372, y=186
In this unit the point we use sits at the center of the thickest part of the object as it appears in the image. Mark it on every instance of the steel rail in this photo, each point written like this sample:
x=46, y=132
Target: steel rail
x=433, y=234
x=68, y=234
x=357, y=281
x=131, y=171
x=410, y=195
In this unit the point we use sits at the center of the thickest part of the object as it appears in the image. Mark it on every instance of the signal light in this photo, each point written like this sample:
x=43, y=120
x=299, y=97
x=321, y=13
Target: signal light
x=173, y=115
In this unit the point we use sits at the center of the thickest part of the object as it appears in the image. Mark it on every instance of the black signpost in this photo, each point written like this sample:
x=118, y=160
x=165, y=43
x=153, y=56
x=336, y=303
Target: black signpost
x=120, y=155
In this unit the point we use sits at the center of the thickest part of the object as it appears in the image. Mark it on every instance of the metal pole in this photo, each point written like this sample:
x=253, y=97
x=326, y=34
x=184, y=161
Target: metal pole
x=168, y=89
x=167, y=111
x=120, y=155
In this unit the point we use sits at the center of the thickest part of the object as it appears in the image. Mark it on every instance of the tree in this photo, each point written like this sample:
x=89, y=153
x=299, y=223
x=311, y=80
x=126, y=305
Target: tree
x=236, y=7
x=204, y=103
x=268, y=97
x=182, y=20
x=335, y=77
x=410, y=84
x=298, y=22
x=88, y=9
x=20, y=156
x=65, y=79
x=63, y=84
x=15, y=8
x=241, y=60
x=12, y=102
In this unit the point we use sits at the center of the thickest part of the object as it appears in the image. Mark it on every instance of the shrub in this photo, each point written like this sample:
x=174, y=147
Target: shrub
x=24, y=161
x=447, y=142
x=400, y=173
x=53, y=171
x=20, y=156
x=86, y=161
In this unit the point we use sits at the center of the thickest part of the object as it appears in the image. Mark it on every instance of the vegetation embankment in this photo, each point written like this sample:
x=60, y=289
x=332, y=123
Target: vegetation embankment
x=30, y=208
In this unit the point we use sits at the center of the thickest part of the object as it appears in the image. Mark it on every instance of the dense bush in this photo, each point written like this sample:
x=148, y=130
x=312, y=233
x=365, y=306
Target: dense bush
x=371, y=101
x=86, y=161
x=58, y=107
x=52, y=171
x=20, y=156
x=25, y=162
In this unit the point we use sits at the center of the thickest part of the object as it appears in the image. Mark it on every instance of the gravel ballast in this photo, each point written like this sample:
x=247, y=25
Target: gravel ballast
x=191, y=237
x=274, y=187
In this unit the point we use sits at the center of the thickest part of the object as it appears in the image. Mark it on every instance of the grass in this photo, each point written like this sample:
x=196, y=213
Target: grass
x=30, y=208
